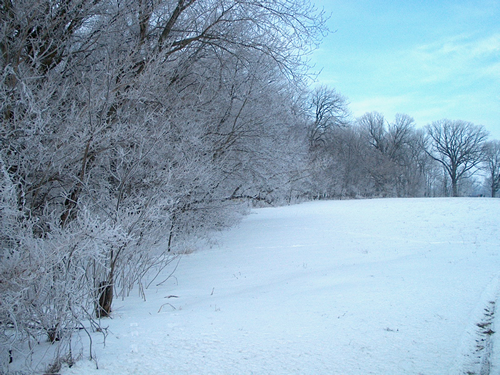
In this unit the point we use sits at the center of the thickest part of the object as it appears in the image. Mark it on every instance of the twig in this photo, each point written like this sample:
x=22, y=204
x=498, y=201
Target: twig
x=172, y=306
x=169, y=276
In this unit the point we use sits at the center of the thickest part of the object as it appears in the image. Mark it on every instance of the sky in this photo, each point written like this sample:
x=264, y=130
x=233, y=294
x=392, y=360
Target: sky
x=430, y=59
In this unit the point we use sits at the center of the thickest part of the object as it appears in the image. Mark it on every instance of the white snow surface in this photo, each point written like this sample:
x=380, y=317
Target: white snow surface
x=382, y=286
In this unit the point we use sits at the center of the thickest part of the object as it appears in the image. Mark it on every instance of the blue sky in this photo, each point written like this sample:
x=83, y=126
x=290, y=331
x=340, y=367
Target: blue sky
x=428, y=59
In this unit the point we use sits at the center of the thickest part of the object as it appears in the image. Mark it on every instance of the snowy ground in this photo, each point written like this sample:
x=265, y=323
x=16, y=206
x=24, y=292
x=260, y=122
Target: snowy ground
x=385, y=286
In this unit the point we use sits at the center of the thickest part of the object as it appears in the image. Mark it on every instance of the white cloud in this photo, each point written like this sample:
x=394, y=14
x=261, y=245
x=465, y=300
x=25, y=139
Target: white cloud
x=387, y=105
x=430, y=60
x=455, y=58
x=486, y=46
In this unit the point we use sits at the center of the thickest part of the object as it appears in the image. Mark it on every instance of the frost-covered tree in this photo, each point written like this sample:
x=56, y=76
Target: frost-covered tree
x=492, y=165
x=129, y=126
x=395, y=158
x=370, y=157
x=327, y=116
x=408, y=154
x=329, y=109
x=457, y=146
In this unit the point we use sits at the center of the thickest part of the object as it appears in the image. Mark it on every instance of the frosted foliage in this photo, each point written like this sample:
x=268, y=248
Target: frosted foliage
x=45, y=287
x=128, y=130
x=368, y=157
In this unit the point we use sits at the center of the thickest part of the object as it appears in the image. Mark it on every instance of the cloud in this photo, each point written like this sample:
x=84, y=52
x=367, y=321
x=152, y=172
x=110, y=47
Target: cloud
x=493, y=71
x=461, y=58
x=487, y=46
x=427, y=107
x=387, y=105
x=454, y=74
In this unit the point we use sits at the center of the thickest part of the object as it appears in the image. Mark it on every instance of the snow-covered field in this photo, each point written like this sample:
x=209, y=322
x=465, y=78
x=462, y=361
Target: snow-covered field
x=384, y=286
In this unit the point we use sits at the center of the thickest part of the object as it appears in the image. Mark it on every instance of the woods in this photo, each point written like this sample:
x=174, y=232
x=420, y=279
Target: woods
x=372, y=157
x=128, y=127
x=131, y=127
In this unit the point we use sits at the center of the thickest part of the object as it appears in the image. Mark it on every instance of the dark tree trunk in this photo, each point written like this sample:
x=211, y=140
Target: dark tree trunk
x=105, y=294
x=454, y=187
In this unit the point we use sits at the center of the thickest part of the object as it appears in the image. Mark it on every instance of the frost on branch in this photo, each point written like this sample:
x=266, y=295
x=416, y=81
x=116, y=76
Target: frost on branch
x=127, y=130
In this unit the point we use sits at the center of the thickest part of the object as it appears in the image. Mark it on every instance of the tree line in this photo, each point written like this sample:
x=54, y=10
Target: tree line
x=370, y=156
x=131, y=127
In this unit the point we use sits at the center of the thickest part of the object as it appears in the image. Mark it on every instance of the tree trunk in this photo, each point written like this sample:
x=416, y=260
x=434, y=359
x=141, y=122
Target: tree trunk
x=454, y=187
x=105, y=298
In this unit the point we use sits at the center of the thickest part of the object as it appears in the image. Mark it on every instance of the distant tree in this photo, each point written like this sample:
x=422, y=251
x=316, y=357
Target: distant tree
x=329, y=110
x=394, y=157
x=374, y=124
x=457, y=146
x=326, y=113
x=377, y=162
x=492, y=165
x=406, y=150
x=347, y=150
x=368, y=157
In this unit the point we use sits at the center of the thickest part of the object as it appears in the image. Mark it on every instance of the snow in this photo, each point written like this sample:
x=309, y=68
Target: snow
x=383, y=286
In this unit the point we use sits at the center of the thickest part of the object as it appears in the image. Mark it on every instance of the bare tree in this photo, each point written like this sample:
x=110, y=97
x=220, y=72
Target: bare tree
x=394, y=157
x=128, y=127
x=457, y=146
x=329, y=110
x=374, y=124
x=347, y=151
x=371, y=157
x=406, y=151
x=492, y=165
